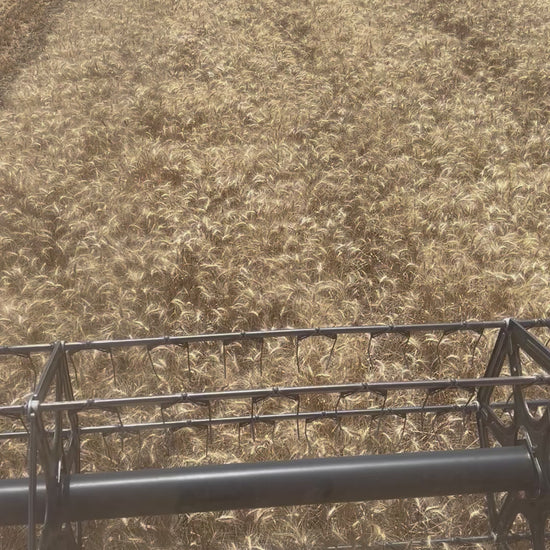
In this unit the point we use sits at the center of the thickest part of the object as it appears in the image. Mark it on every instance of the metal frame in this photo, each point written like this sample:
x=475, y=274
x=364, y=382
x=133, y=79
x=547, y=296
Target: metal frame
x=57, y=454
x=52, y=489
x=534, y=506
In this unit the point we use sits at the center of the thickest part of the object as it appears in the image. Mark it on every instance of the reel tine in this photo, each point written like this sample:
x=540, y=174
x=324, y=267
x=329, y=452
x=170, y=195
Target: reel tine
x=338, y=421
x=210, y=433
x=306, y=424
x=407, y=335
x=296, y=399
x=224, y=353
x=185, y=346
x=140, y=445
x=33, y=369
x=252, y=427
x=25, y=427
x=437, y=360
x=107, y=448
x=465, y=411
x=297, y=417
x=70, y=360
x=117, y=411
x=166, y=431
x=424, y=403
x=261, y=356
x=384, y=394
x=113, y=367
x=334, y=338
x=111, y=358
x=298, y=354
x=209, y=436
x=340, y=397
x=405, y=416
x=383, y=407
x=151, y=362
x=274, y=427
x=371, y=338
x=480, y=333
x=204, y=403
x=299, y=338
x=373, y=335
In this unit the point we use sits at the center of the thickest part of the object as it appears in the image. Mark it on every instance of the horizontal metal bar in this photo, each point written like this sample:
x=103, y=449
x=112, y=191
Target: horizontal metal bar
x=406, y=545
x=263, y=334
x=289, y=392
x=174, y=425
x=433, y=542
x=259, y=485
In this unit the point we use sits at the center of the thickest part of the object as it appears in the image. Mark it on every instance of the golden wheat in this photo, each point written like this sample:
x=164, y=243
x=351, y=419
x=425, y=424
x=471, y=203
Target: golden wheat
x=173, y=166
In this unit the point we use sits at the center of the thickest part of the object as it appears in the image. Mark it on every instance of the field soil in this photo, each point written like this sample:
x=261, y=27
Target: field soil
x=189, y=166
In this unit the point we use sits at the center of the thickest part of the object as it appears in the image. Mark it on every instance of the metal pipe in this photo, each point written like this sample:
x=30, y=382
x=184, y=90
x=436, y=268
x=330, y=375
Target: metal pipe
x=174, y=425
x=289, y=392
x=310, y=481
x=474, y=326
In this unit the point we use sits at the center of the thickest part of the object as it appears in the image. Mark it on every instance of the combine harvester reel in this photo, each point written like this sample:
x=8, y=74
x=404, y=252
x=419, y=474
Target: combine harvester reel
x=511, y=465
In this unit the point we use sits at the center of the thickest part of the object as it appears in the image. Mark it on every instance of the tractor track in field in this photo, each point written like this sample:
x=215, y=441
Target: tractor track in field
x=24, y=24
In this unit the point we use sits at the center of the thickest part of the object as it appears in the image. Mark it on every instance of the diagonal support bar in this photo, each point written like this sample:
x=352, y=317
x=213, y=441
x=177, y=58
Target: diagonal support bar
x=531, y=345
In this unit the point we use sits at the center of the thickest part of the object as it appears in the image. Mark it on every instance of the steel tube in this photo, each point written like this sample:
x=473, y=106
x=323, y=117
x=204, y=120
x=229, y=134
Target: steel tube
x=288, y=392
x=310, y=481
x=174, y=425
x=278, y=333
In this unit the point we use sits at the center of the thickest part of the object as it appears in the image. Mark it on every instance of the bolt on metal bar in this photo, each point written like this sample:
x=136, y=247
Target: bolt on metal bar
x=280, y=333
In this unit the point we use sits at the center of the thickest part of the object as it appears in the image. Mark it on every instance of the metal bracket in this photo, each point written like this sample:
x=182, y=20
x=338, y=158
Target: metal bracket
x=524, y=429
x=55, y=455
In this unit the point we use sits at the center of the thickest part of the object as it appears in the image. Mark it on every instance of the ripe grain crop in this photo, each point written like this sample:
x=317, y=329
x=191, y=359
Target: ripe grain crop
x=171, y=166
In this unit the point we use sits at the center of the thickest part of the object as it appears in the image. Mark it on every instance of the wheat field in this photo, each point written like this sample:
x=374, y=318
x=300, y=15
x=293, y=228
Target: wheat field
x=191, y=166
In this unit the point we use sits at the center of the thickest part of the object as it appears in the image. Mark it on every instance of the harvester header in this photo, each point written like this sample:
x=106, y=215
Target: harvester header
x=508, y=403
